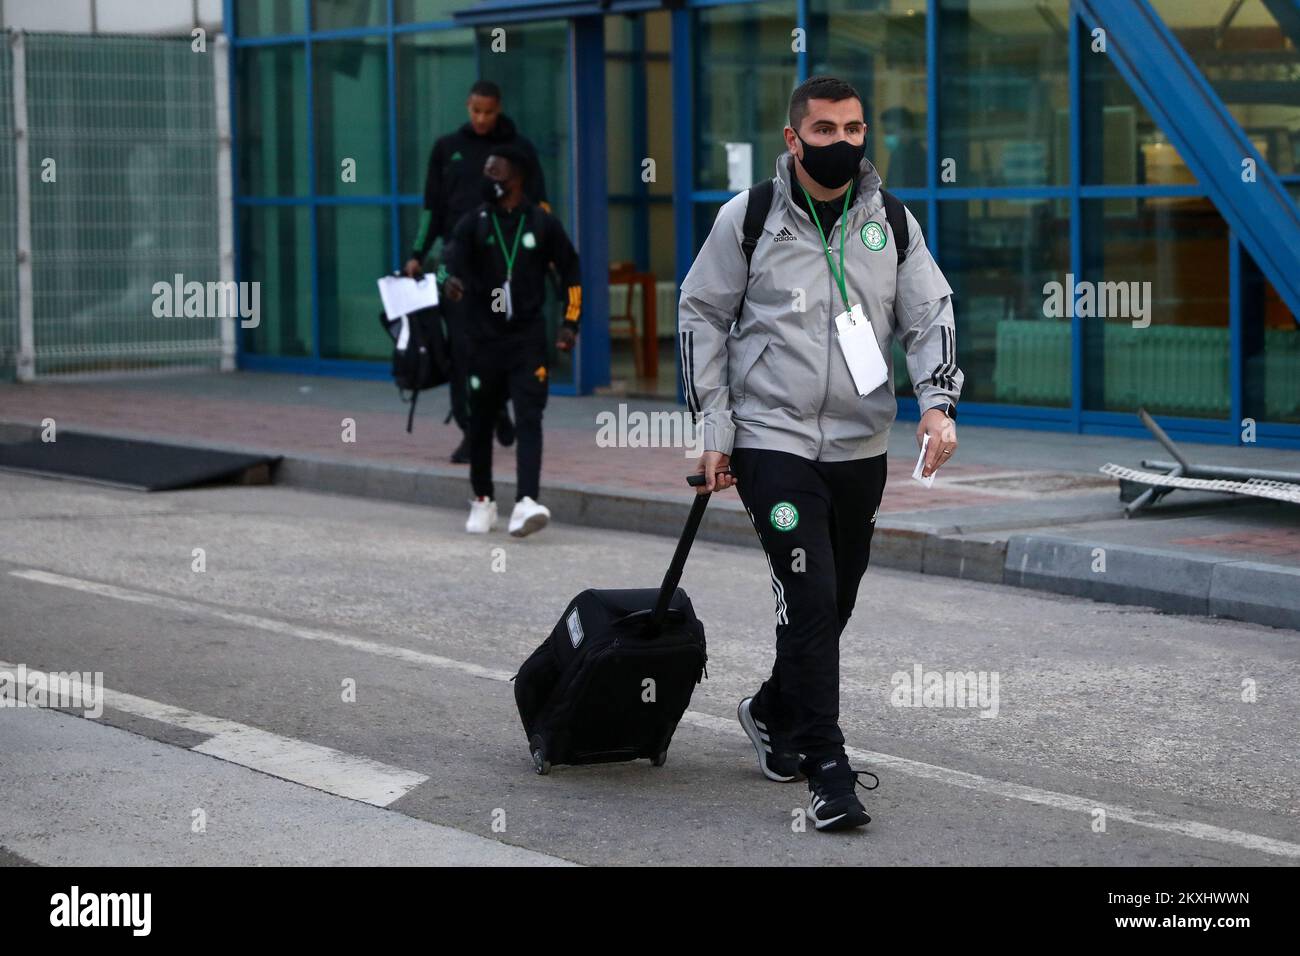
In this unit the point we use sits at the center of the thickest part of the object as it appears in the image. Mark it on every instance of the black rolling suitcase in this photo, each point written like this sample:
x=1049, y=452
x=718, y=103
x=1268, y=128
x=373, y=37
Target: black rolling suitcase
x=617, y=672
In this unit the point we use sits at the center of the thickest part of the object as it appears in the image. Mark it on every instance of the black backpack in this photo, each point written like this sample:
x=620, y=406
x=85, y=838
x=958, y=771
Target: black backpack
x=760, y=202
x=421, y=353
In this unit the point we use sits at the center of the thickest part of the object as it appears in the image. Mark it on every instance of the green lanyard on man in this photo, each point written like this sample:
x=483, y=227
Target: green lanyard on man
x=830, y=260
x=510, y=258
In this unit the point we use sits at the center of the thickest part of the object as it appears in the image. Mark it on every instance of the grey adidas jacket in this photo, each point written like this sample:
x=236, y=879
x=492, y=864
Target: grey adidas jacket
x=775, y=379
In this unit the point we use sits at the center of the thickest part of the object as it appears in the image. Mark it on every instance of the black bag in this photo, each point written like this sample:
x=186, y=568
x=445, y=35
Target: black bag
x=617, y=672
x=421, y=353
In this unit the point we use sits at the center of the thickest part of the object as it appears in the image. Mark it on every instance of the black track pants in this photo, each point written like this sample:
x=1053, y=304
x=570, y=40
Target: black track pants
x=457, y=316
x=815, y=520
x=514, y=369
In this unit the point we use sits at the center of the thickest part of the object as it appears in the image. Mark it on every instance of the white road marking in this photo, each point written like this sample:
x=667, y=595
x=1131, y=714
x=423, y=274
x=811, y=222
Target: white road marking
x=957, y=778
x=1046, y=798
x=321, y=768
x=262, y=623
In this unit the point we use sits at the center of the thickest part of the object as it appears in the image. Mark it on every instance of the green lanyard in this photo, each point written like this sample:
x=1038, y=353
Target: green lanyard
x=830, y=260
x=510, y=256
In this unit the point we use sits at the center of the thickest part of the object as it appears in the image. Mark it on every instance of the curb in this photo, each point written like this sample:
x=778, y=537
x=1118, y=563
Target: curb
x=1166, y=580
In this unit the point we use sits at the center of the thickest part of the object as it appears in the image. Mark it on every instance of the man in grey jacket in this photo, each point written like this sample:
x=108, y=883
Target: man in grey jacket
x=783, y=418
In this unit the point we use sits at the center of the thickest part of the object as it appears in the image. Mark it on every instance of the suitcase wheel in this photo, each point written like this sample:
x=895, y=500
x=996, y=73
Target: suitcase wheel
x=660, y=759
x=540, y=763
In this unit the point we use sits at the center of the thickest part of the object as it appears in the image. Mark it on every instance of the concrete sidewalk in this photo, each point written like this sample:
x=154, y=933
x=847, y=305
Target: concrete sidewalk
x=1027, y=508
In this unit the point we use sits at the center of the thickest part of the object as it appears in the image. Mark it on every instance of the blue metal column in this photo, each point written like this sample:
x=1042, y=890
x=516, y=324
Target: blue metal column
x=683, y=158
x=1076, y=219
x=591, y=180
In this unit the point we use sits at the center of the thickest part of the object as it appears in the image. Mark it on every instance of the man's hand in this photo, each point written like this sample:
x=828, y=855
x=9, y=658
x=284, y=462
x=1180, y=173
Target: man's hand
x=455, y=289
x=413, y=269
x=943, y=439
x=710, y=463
x=566, y=339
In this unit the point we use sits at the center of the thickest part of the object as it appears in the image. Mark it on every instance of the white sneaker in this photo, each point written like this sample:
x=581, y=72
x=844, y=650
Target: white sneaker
x=482, y=516
x=528, y=517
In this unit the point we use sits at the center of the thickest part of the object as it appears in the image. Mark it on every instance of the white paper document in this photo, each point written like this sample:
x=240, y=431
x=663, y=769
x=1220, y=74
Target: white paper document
x=861, y=351
x=402, y=296
x=920, y=465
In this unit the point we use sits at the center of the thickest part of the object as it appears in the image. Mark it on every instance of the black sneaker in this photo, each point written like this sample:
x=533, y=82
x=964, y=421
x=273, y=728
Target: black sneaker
x=505, y=429
x=833, y=801
x=461, y=455
x=775, y=758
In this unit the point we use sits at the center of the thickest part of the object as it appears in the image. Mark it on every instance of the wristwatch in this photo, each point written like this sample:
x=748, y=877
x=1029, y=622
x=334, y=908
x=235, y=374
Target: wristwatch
x=948, y=408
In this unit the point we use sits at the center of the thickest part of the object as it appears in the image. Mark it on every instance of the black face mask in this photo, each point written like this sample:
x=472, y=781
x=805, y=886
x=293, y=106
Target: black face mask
x=834, y=165
x=492, y=190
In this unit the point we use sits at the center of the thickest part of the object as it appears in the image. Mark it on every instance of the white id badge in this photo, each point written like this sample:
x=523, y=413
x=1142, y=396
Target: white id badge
x=510, y=305
x=861, y=351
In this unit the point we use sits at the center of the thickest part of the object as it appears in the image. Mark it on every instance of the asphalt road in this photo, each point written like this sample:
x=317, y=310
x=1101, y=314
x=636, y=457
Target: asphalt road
x=225, y=684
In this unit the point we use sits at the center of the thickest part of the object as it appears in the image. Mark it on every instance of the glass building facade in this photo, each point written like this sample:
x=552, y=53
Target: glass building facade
x=1036, y=141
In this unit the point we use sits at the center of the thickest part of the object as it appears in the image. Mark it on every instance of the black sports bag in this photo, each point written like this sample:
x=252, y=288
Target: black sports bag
x=617, y=672
x=421, y=353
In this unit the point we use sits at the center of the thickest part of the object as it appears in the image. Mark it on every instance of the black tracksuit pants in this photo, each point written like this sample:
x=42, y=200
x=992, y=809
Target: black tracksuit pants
x=457, y=315
x=513, y=368
x=815, y=520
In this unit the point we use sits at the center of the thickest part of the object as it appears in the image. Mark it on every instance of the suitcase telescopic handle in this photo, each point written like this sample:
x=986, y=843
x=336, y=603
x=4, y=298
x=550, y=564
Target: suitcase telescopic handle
x=674, y=575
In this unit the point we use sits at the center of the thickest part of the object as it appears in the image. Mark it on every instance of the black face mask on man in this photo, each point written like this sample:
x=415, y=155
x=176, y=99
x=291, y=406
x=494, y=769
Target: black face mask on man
x=834, y=165
x=492, y=190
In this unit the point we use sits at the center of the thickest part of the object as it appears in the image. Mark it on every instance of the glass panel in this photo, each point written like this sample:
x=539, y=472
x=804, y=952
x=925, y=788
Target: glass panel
x=275, y=251
x=272, y=117
x=1003, y=89
x=533, y=75
x=883, y=56
x=268, y=17
x=434, y=73
x=745, y=69
x=426, y=11
x=342, y=14
x=353, y=253
x=1122, y=145
x=1271, y=347
x=1251, y=58
x=1160, y=276
x=350, y=85
x=998, y=255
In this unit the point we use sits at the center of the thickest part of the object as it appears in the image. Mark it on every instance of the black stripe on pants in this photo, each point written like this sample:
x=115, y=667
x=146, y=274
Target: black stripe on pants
x=815, y=520
x=501, y=369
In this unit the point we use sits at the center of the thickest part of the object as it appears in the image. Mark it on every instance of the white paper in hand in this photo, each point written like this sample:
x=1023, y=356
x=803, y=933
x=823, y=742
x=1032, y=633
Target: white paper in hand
x=861, y=351
x=402, y=296
x=920, y=465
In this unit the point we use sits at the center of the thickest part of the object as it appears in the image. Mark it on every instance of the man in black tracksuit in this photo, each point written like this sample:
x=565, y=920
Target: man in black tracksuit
x=500, y=256
x=451, y=189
